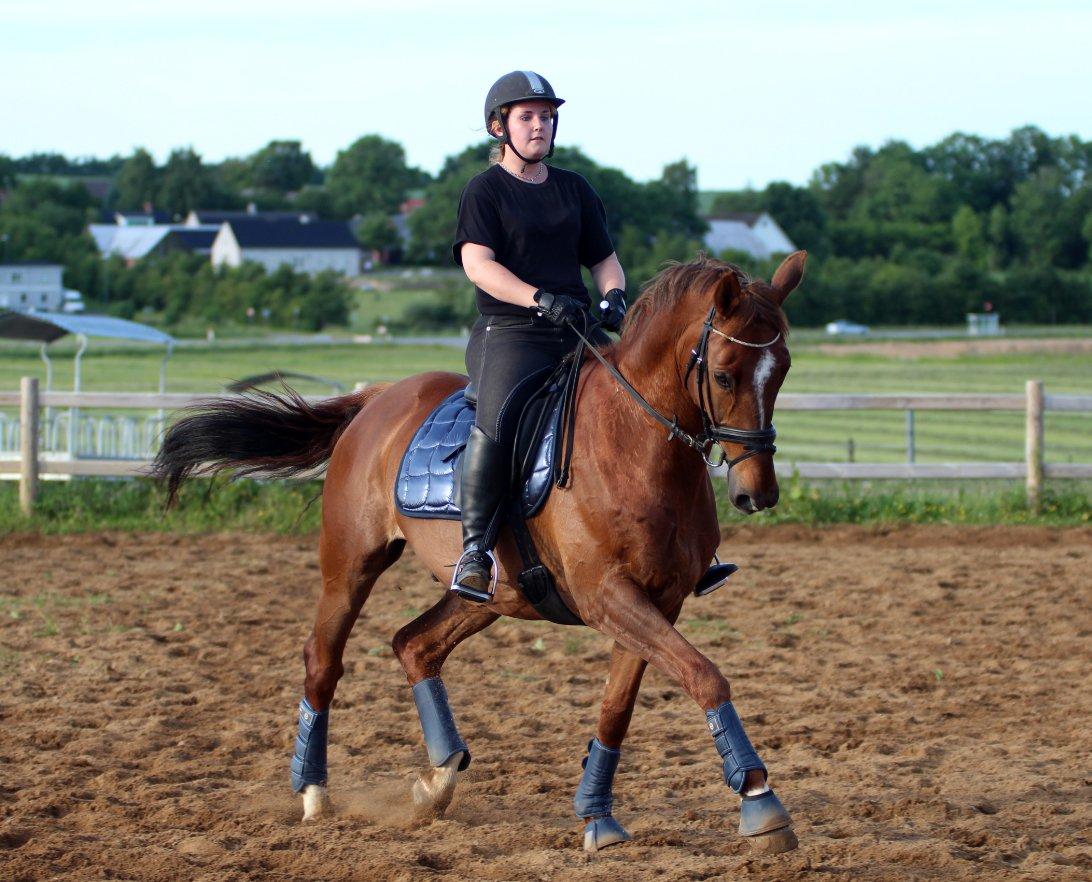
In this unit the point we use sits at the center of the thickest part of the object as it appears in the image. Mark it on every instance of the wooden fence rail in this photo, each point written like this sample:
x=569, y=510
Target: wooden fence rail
x=1032, y=470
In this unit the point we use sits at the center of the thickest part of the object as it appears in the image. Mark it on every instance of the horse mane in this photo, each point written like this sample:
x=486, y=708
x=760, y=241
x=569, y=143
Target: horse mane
x=679, y=282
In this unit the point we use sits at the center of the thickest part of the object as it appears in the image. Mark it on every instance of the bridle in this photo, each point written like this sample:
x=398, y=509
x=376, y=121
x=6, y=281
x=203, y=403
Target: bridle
x=753, y=441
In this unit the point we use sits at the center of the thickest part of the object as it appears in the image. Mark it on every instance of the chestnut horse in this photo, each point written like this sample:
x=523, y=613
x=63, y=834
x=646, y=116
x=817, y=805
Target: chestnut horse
x=626, y=539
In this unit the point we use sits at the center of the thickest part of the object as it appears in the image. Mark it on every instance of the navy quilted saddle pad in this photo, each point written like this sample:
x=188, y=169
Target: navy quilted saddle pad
x=426, y=478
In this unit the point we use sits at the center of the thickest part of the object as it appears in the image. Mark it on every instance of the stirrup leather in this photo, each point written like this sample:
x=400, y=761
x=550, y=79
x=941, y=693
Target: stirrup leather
x=471, y=593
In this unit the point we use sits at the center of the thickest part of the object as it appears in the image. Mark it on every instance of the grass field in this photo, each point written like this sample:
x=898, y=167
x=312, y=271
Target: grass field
x=877, y=436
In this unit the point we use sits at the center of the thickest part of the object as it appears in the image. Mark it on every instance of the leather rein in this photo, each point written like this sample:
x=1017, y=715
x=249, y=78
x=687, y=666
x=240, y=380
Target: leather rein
x=753, y=441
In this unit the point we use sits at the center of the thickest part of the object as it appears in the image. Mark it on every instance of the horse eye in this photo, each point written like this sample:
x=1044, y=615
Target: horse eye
x=724, y=380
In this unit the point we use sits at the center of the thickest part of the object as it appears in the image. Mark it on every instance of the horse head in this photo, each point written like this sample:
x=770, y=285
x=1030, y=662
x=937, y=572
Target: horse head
x=746, y=361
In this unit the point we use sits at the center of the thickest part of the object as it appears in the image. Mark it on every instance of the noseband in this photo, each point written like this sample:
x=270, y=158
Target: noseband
x=754, y=441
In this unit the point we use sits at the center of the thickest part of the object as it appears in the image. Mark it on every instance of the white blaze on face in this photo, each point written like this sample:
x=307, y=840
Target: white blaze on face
x=763, y=370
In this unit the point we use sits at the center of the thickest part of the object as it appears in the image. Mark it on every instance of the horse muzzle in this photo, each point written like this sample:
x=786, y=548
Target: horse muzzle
x=750, y=492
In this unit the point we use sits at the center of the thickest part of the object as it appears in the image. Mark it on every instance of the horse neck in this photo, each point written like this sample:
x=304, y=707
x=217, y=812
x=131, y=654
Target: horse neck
x=651, y=364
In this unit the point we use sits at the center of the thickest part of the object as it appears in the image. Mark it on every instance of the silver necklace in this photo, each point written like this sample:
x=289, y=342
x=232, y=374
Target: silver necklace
x=530, y=180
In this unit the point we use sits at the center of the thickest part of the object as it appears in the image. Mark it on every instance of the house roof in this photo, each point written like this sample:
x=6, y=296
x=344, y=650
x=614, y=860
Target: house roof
x=131, y=243
x=251, y=233
x=750, y=218
x=36, y=263
x=195, y=238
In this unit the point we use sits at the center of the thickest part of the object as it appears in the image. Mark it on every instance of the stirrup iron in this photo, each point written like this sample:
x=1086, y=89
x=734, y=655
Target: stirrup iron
x=471, y=593
x=714, y=577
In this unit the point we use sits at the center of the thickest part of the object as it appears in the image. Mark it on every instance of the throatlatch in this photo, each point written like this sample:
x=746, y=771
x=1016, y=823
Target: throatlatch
x=309, y=759
x=442, y=738
x=594, y=797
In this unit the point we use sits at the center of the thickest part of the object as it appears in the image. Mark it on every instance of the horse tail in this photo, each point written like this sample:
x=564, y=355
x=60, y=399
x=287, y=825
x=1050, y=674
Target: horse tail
x=277, y=434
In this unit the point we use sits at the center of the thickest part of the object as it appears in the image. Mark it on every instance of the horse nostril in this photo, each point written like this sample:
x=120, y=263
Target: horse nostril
x=744, y=503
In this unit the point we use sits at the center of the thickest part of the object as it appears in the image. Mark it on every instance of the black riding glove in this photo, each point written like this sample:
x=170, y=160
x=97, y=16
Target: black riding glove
x=558, y=308
x=612, y=309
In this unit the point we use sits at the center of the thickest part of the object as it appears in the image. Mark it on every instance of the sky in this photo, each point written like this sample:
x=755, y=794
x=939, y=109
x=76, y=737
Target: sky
x=747, y=92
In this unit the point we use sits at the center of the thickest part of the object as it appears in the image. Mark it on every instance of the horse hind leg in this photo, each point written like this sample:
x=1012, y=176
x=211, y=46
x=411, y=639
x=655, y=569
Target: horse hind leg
x=348, y=572
x=422, y=646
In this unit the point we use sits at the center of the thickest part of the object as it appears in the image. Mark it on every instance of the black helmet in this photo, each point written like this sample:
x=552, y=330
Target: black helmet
x=519, y=85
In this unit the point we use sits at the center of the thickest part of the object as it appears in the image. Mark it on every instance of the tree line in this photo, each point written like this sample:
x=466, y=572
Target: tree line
x=896, y=235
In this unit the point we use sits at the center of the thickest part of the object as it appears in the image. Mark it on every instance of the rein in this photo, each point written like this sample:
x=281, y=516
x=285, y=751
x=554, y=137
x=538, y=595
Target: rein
x=754, y=441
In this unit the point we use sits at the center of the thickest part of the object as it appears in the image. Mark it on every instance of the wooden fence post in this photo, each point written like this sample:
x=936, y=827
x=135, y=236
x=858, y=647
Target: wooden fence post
x=28, y=444
x=1033, y=443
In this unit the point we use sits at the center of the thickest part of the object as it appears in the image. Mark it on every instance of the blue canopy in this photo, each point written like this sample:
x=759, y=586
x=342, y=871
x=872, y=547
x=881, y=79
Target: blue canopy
x=46, y=327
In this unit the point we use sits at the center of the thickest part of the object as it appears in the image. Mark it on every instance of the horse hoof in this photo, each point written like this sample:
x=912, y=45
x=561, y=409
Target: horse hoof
x=316, y=802
x=433, y=790
x=775, y=842
x=604, y=831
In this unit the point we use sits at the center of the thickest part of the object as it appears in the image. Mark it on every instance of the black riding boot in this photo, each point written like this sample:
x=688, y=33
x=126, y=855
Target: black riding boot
x=483, y=489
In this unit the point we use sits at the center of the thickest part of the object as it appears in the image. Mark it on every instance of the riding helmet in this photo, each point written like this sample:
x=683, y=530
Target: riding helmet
x=519, y=85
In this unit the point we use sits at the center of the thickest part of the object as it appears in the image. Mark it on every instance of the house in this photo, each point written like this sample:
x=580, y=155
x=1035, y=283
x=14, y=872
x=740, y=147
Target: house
x=135, y=242
x=26, y=286
x=310, y=247
x=755, y=233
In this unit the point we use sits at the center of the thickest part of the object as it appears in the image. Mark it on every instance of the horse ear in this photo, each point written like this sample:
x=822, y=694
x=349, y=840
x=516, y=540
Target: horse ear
x=728, y=291
x=788, y=275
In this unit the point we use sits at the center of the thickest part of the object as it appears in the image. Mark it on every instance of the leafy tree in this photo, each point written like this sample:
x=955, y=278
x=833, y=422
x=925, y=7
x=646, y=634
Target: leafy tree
x=7, y=172
x=137, y=181
x=999, y=235
x=376, y=232
x=1038, y=218
x=369, y=175
x=186, y=183
x=282, y=166
x=968, y=234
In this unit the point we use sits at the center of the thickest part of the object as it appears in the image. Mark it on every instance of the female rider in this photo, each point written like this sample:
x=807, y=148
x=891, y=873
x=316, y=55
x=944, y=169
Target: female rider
x=524, y=230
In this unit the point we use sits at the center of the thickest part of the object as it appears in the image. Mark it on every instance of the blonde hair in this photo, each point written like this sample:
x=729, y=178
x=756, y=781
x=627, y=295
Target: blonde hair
x=496, y=152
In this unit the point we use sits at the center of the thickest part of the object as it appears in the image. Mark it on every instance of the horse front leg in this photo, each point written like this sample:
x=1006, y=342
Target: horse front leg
x=422, y=646
x=594, y=798
x=622, y=611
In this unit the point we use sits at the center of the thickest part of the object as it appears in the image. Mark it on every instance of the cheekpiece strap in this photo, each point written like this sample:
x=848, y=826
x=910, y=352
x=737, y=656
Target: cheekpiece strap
x=733, y=745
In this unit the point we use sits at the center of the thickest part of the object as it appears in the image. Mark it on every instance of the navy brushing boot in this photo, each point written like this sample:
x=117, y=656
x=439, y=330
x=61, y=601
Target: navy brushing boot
x=447, y=752
x=308, y=767
x=594, y=797
x=760, y=813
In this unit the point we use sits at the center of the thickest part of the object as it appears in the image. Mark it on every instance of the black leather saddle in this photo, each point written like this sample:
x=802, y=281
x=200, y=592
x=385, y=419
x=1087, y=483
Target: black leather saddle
x=428, y=475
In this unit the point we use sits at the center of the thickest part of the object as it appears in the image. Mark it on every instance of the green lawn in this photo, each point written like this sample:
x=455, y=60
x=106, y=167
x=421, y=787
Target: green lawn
x=878, y=436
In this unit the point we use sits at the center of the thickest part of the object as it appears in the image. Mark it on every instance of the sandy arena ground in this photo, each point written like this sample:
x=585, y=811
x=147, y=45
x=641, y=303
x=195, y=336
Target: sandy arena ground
x=922, y=697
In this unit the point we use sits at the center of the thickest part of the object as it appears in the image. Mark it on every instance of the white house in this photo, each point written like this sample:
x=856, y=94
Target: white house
x=308, y=247
x=31, y=286
x=755, y=233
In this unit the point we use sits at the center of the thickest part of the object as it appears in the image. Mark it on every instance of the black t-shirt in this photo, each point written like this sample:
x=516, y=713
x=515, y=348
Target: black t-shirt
x=542, y=233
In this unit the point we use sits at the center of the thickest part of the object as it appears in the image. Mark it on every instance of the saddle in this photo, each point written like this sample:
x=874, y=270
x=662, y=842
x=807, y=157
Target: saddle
x=427, y=482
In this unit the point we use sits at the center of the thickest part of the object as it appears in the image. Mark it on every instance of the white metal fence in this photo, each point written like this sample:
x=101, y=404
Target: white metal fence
x=110, y=445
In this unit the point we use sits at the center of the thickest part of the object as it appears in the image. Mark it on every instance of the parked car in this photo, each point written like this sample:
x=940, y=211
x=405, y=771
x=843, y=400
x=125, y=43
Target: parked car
x=847, y=328
x=72, y=301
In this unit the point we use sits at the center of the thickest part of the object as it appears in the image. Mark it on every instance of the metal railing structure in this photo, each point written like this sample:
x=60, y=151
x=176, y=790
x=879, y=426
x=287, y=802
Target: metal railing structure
x=141, y=435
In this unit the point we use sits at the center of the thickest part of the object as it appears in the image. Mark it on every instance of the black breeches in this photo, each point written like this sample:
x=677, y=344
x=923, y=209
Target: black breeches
x=508, y=358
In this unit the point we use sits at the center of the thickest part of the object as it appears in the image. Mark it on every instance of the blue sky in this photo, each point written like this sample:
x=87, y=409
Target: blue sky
x=747, y=92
